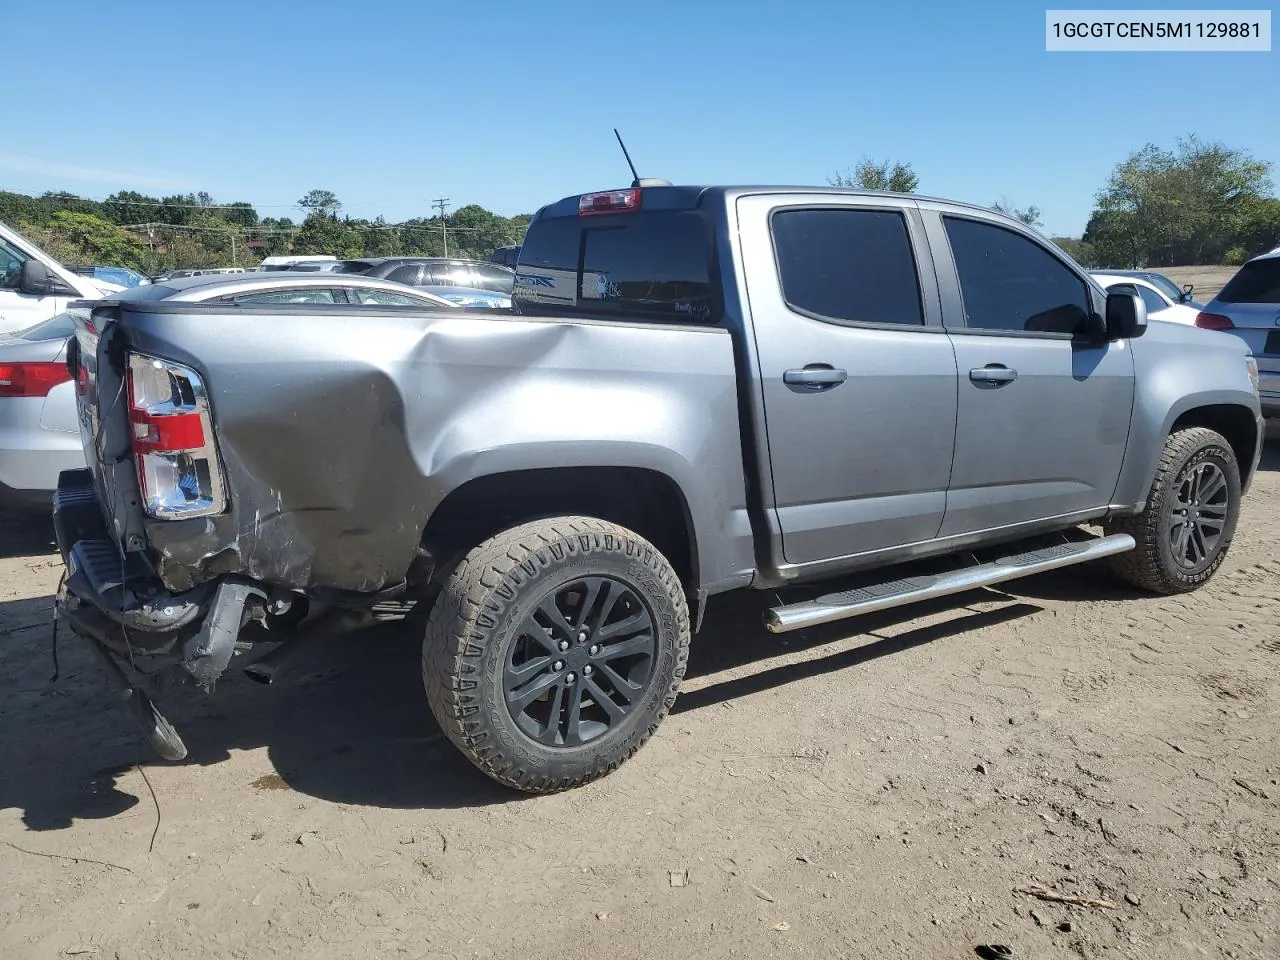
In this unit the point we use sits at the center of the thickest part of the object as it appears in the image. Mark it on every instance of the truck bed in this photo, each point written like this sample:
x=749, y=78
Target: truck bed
x=341, y=430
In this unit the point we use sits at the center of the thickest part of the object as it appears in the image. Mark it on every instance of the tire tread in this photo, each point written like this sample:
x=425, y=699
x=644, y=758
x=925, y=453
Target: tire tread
x=454, y=635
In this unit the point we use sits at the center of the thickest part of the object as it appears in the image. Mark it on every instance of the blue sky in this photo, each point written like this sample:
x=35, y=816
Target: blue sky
x=512, y=105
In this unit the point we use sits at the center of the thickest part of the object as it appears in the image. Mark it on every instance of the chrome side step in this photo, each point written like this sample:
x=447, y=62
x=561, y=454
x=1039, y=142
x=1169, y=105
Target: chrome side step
x=898, y=593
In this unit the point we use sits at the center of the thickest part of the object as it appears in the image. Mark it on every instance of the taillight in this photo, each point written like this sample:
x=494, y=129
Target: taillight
x=171, y=433
x=31, y=379
x=611, y=201
x=1214, y=321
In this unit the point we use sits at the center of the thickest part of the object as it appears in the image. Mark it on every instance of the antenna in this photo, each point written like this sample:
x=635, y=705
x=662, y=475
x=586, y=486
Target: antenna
x=635, y=181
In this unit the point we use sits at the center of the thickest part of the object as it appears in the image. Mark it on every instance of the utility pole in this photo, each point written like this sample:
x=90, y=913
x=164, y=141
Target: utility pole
x=440, y=205
x=233, y=248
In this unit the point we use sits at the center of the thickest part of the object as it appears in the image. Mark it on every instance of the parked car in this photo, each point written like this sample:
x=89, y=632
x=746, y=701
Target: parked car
x=1159, y=306
x=1249, y=307
x=286, y=261
x=120, y=276
x=472, y=297
x=1172, y=292
x=34, y=286
x=437, y=272
x=39, y=432
x=508, y=256
x=703, y=389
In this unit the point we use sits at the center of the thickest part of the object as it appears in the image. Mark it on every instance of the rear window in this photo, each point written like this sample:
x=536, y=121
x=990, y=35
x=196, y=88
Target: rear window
x=150, y=291
x=58, y=328
x=1257, y=282
x=648, y=265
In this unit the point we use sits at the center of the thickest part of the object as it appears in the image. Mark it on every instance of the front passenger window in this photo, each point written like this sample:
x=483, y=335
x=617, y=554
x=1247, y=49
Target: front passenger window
x=1010, y=283
x=11, y=261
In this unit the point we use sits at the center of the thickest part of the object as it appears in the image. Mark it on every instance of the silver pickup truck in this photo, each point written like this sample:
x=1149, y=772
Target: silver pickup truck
x=699, y=390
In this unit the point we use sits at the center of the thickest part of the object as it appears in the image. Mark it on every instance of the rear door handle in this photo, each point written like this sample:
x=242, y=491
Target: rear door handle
x=993, y=373
x=815, y=376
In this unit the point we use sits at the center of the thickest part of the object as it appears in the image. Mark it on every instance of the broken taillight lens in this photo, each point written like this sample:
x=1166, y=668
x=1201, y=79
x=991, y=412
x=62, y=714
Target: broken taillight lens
x=171, y=433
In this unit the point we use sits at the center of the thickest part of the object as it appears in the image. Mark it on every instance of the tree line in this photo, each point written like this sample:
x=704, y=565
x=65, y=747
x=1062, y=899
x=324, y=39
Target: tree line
x=1195, y=204
x=154, y=234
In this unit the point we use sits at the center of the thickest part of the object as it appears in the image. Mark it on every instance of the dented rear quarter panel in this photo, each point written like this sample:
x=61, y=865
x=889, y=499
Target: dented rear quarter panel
x=342, y=430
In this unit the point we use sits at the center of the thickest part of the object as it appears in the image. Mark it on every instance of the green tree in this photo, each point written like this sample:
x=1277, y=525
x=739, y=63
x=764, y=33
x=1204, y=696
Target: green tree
x=1079, y=251
x=18, y=208
x=82, y=238
x=322, y=234
x=129, y=206
x=1028, y=215
x=320, y=201
x=1181, y=206
x=1260, y=229
x=879, y=175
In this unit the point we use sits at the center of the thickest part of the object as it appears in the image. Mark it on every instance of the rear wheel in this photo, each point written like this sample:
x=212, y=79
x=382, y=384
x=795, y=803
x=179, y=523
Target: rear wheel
x=1190, y=518
x=554, y=650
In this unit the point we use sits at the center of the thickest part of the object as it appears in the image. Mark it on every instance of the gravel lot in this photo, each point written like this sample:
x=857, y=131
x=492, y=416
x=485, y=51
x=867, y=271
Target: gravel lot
x=890, y=787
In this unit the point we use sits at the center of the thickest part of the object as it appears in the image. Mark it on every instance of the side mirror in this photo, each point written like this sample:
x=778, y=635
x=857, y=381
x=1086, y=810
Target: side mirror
x=1186, y=291
x=39, y=282
x=1126, y=316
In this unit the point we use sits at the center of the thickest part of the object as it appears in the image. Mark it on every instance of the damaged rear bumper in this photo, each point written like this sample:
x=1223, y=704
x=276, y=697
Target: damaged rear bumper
x=115, y=601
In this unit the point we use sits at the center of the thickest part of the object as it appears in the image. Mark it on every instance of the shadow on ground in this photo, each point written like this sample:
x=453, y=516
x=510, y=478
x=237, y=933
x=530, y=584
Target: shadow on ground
x=347, y=721
x=25, y=533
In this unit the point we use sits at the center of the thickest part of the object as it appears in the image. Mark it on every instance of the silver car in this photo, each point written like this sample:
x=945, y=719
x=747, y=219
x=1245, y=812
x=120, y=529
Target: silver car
x=39, y=431
x=1249, y=307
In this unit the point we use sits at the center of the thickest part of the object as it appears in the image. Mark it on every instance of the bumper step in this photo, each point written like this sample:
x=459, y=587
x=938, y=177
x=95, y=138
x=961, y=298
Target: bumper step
x=898, y=593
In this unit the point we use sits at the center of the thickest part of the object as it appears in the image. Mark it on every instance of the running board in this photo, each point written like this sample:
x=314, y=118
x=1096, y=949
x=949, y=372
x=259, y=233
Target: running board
x=898, y=593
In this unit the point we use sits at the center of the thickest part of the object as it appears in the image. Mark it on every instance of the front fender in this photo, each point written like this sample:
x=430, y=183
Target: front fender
x=1180, y=370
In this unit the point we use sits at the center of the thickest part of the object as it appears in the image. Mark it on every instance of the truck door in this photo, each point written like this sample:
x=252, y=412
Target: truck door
x=857, y=377
x=1045, y=401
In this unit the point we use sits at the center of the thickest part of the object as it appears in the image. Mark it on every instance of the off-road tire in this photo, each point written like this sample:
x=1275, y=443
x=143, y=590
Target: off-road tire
x=1152, y=565
x=475, y=618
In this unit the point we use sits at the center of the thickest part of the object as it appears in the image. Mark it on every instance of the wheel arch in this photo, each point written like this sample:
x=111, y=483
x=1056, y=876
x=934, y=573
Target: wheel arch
x=646, y=501
x=1236, y=423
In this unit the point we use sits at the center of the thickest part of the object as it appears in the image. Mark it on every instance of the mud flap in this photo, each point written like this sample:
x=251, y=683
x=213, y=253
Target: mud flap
x=207, y=654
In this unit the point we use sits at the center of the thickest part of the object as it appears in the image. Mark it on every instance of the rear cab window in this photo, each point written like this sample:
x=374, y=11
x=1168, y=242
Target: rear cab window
x=647, y=265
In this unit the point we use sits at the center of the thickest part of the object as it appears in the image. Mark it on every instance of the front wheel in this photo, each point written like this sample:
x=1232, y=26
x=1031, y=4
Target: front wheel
x=1183, y=532
x=554, y=650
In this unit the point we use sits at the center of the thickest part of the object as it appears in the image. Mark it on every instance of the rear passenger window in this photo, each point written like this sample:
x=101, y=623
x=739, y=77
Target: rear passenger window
x=1152, y=300
x=850, y=266
x=1008, y=282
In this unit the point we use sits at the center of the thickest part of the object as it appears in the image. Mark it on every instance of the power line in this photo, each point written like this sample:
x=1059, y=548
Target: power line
x=294, y=229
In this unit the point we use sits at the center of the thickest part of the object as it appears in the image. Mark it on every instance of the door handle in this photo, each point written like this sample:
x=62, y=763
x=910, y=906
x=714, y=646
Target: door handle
x=993, y=373
x=815, y=376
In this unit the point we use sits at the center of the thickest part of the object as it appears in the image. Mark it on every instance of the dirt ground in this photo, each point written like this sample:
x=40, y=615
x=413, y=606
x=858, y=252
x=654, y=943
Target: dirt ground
x=1207, y=280
x=890, y=787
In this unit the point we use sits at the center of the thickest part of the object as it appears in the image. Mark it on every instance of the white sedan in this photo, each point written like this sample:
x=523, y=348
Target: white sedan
x=1159, y=306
